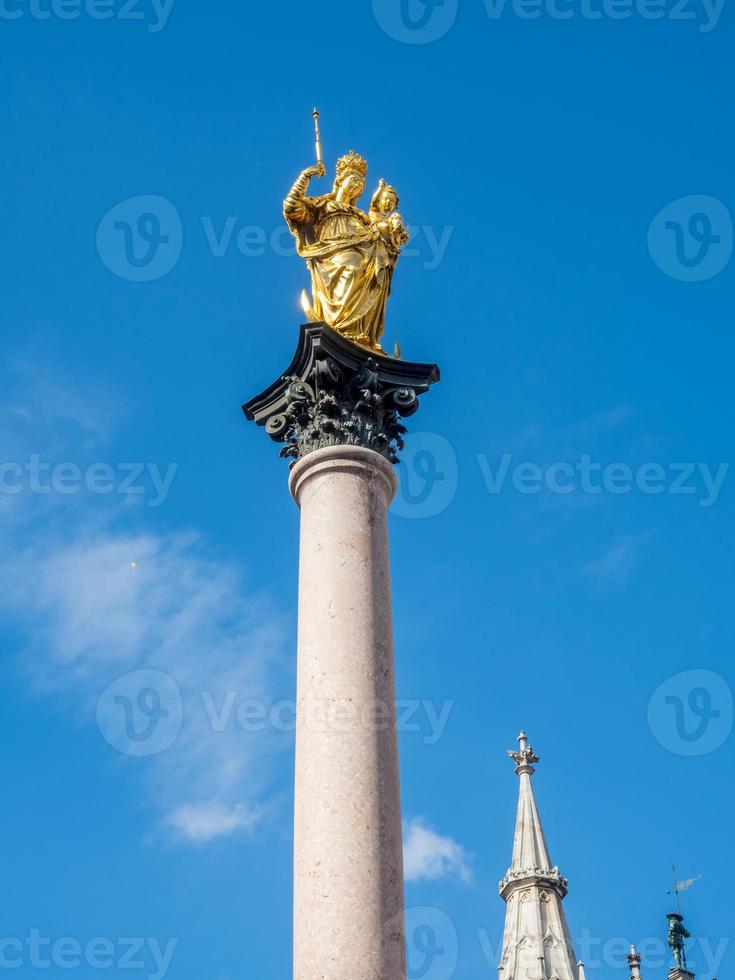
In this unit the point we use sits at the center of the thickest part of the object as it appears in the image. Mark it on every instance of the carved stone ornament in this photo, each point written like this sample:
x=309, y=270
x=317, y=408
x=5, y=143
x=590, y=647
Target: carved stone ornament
x=537, y=876
x=525, y=757
x=337, y=394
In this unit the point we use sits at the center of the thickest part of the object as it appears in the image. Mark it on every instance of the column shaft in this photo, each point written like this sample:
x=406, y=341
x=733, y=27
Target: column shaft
x=348, y=862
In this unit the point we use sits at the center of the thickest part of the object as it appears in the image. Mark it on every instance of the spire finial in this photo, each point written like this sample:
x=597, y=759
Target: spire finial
x=525, y=757
x=634, y=962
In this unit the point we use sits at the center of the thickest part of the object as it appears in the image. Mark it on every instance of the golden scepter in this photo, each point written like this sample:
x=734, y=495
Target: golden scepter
x=305, y=301
x=318, y=136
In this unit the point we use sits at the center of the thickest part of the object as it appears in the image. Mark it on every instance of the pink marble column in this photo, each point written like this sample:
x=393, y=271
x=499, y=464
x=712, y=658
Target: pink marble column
x=348, y=861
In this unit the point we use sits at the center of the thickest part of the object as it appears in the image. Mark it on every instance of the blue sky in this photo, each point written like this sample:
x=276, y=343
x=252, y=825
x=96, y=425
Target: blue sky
x=562, y=544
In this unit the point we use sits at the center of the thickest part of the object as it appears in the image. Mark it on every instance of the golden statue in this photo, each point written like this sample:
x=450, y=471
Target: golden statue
x=351, y=255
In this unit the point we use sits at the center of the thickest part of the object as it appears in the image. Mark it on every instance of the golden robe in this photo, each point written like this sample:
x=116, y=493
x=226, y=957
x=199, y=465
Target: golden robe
x=351, y=266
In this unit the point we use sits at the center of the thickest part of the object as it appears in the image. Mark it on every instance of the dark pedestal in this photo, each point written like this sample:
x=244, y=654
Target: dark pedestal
x=335, y=393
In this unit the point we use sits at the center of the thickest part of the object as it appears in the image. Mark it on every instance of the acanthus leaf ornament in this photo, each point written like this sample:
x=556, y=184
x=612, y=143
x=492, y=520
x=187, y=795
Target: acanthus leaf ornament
x=336, y=394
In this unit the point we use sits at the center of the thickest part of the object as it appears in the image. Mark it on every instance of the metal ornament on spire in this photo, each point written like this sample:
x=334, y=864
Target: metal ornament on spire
x=681, y=886
x=525, y=757
x=634, y=962
x=677, y=930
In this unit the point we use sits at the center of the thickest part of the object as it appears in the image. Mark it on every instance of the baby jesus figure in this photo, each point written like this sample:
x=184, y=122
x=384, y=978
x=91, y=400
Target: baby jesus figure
x=385, y=219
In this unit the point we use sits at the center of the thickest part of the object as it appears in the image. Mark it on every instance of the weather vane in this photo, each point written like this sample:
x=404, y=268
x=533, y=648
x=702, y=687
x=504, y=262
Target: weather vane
x=351, y=254
x=681, y=886
x=677, y=930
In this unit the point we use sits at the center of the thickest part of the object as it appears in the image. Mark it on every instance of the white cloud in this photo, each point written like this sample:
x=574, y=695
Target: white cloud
x=92, y=618
x=87, y=615
x=43, y=404
x=428, y=855
x=607, y=420
x=204, y=823
x=618, y=562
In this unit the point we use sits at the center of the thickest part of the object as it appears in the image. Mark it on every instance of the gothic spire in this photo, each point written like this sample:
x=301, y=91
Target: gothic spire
x=530, y=849
x=536, y=943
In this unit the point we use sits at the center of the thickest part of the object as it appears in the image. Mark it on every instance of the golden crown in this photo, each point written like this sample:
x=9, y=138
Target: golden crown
x=351, y=163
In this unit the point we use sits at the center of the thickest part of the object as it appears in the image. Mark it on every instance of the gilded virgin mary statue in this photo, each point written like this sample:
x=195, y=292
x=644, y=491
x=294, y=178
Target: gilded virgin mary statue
x=351, y=255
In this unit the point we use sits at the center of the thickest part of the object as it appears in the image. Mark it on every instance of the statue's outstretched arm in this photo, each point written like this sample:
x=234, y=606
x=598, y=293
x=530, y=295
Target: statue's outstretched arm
x=296, y=206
